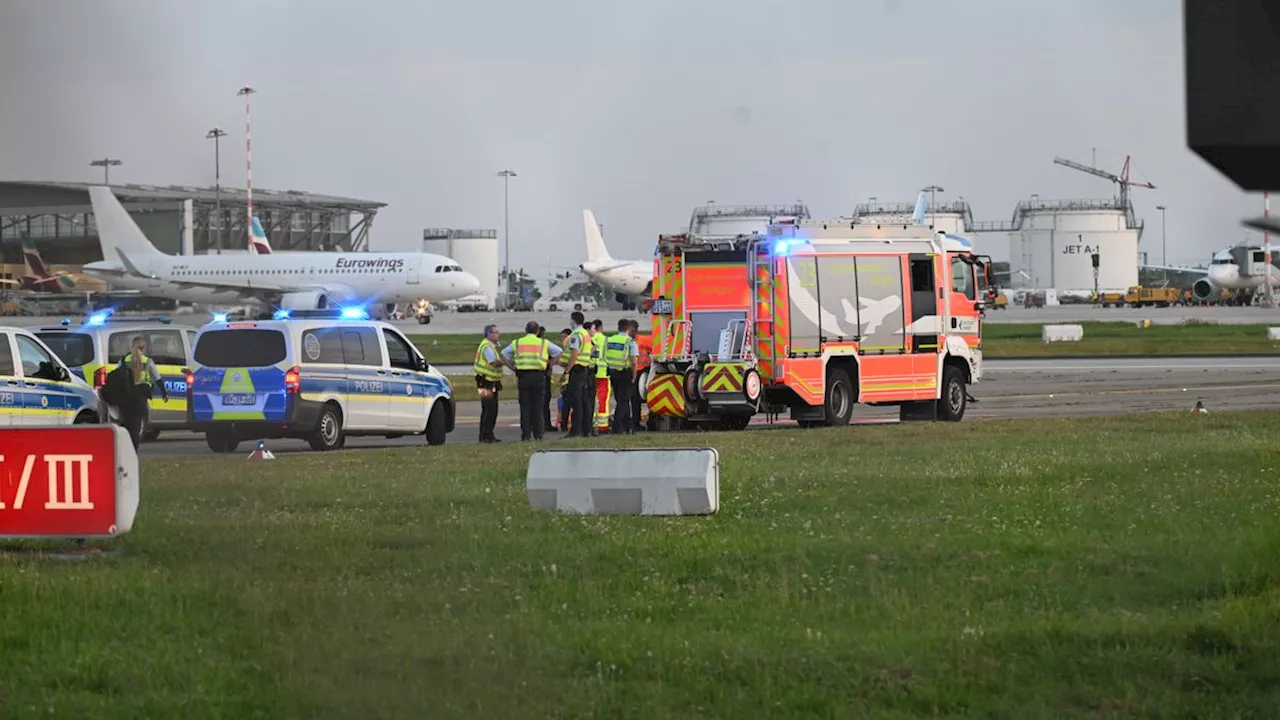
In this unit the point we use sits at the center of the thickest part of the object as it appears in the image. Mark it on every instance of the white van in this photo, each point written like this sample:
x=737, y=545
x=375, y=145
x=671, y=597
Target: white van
x=316, y=375
x=37, y=388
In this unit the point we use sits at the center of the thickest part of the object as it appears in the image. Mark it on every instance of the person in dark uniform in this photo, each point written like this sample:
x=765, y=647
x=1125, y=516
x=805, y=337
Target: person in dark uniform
x=542, y=333
x=531, y=356
x=635, y=395
x=488, y=369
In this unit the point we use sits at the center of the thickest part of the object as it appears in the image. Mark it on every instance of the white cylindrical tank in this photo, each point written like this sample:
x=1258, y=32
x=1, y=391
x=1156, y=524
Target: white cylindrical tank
x=948, y=222
x=476, y=251
x=1056, y=243
x=732, y=220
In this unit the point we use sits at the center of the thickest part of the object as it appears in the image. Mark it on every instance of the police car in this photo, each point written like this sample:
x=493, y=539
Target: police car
x=95, y=347
x=315, y=375
x=37, y=388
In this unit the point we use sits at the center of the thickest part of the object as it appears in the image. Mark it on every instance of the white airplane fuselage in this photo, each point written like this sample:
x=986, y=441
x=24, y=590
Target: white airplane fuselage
x=1224, y=274
x=343, y=277
x=632, y=278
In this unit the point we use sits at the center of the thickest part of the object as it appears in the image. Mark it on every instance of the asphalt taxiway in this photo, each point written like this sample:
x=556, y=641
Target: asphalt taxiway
x=1050, y=387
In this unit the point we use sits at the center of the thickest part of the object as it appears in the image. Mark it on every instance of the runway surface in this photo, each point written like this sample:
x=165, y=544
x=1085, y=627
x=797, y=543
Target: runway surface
x=510, y=322
x=1009, y=389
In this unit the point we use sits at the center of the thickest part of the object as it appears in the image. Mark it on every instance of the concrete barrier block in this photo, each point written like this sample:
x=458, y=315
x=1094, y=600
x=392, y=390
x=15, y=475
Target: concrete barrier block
x=649, y=481
x=1062, y=333
x=1143, y=323
x=1273, y=333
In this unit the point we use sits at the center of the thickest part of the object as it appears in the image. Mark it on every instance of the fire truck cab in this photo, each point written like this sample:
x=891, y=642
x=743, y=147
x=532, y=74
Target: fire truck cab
x=813, y=317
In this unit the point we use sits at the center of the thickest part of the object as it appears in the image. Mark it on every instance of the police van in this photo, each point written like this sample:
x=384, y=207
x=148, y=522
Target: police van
x=95, y=347
x=37, y=388
x=315, y=375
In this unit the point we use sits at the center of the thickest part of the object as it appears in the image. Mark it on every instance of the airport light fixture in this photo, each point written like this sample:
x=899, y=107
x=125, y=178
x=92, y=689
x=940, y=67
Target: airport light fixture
x=106, y=164
x=1164, y=246
x=933, y=204
x=506, y=176
x=217, y=133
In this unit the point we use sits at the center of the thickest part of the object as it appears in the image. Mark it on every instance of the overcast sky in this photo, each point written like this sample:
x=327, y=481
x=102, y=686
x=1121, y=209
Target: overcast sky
x=638, y=110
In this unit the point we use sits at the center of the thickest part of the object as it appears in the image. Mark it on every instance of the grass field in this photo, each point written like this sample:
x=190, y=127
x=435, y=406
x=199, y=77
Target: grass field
x=1009, y=340
x=1124, y=567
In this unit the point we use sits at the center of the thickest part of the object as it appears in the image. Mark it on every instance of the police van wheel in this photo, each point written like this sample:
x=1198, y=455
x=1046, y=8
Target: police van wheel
x=435, y=431
x=86, y=418
x=328, y=435
x=221, y=442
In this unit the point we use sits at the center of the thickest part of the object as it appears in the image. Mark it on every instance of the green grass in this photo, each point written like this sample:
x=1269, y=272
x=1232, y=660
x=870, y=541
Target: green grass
x=1122, y=567
x=1120, y=338
x=1008, y=340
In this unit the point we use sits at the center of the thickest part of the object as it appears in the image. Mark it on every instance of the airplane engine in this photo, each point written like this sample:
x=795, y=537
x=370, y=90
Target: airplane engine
x=1204, y=290
x=305, y=301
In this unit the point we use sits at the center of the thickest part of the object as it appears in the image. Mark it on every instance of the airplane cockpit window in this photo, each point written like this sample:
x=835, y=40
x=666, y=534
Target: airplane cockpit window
x=1222, y=261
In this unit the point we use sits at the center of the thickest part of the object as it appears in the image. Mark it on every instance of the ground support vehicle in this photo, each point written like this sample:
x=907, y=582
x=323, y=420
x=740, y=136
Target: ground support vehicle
x=1139, y=296
x=812, y=318
x=95, y=347
x=314, y=375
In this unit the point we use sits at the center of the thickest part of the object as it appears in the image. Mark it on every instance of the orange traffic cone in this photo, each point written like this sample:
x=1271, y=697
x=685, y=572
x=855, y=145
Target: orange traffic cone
x=261, y=452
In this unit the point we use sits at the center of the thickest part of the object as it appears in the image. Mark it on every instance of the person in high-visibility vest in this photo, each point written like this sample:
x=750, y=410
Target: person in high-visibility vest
x=601, y=394
x=530, y=356
x=622, y=376
x=145, y=378
x=488, y=369
x=581, y=380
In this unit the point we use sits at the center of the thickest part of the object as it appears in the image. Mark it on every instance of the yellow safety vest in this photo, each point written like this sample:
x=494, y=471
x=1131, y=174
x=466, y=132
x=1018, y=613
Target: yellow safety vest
x=482, y=366
x=531, y=353
x=597, y=355
x=145, y=377
x=617, y=351
x=584, y=348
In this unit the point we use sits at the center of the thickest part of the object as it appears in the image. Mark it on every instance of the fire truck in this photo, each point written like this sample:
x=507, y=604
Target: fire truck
x=812, y=317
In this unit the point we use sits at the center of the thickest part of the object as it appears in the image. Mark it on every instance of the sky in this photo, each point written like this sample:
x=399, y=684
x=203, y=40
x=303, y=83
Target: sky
x=636, y=110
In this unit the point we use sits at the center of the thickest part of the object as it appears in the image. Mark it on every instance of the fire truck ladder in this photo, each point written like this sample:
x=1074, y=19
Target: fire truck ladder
x=671, y=326
x=763, y=289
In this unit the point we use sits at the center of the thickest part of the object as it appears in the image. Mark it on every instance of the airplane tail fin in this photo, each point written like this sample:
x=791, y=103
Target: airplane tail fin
x=918, y=216
x=258, y=244
x=117, y=232
x=596, y=250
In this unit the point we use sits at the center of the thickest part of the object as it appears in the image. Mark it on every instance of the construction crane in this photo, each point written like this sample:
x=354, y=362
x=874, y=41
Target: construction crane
x=1122, y=179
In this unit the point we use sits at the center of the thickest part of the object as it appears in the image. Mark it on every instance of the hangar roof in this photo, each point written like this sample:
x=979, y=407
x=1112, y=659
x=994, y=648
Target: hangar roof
x=16, y=194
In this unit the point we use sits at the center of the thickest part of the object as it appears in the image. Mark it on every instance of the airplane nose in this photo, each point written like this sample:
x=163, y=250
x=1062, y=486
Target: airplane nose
x=470, y=283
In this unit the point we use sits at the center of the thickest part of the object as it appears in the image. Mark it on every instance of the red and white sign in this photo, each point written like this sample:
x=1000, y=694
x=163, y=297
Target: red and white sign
x=78, y=481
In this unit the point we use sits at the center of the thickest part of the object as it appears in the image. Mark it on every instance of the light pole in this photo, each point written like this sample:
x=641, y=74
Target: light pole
x=217, y=133
x=506, y=176
x=933, y=204
x=1164, y=246
x=246, y=91
x=105, y=164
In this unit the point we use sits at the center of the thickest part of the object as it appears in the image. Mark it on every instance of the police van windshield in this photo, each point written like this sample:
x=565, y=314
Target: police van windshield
x=75, y=349
x=240, y=347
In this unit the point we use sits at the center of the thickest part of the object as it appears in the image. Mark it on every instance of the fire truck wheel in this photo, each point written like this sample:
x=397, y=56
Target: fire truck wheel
x=751, y=385
x=951, y=405
x=691, y=384
x=839, y=400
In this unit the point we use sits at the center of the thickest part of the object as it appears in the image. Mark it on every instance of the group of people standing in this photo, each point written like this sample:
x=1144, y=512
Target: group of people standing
x=595, y=365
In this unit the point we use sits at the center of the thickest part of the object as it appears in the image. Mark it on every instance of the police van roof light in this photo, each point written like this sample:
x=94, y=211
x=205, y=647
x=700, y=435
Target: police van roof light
x=220, y=317
x=354, y=314
x=97, y=319
x=280, y=315
x=66, y=321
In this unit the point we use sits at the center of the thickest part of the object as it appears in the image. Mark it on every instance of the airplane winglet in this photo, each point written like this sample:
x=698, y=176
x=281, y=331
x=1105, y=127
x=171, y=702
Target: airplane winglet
x=918, y=216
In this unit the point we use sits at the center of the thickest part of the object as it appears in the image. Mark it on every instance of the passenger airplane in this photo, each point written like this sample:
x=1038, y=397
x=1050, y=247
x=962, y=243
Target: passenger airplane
x=39, y=278
x=625, y=277
x=285, y=281
x=1241, y=269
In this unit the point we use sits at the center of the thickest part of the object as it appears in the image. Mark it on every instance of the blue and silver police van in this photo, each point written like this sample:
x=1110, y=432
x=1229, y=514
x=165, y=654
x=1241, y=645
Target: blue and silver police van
x=315, y=375
x=37, y=389
x=95, y=347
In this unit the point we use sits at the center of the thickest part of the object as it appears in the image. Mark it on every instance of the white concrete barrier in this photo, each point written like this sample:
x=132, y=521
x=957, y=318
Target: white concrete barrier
x=1273, y=333
x=1062, y=333
x=651, y=481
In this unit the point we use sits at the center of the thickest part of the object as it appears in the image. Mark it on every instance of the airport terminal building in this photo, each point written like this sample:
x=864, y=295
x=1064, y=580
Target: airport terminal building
x=57, y=219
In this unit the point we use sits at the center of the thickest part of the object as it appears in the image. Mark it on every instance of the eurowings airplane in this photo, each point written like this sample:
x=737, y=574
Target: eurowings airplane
x=258, y=244
x=285, y=281
x=624, y=277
